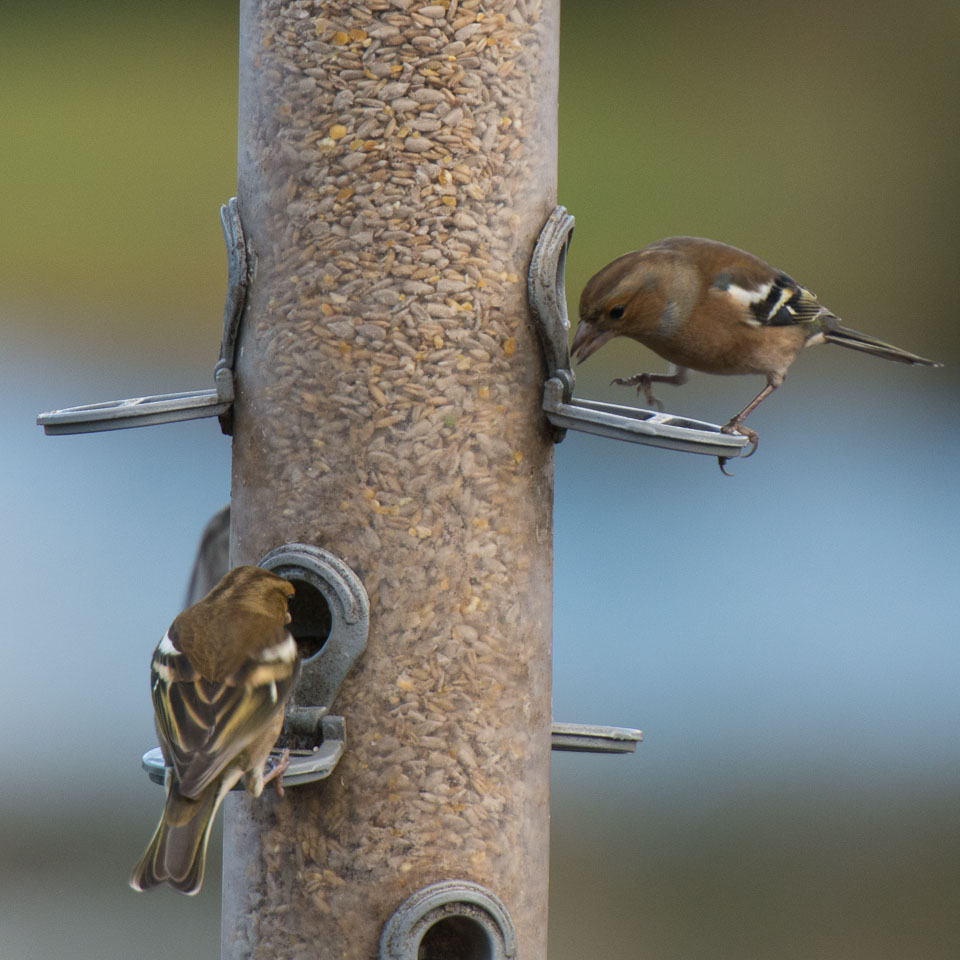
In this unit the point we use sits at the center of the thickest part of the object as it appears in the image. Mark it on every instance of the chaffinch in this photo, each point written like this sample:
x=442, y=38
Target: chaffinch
x=708, y=306
x=220, y=678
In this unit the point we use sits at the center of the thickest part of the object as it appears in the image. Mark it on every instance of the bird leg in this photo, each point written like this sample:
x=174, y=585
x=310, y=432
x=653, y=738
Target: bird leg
x=277, y=771
x=643, y=381
x=735, y=425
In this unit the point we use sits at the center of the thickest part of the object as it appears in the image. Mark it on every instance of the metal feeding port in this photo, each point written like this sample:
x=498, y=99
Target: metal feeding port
x=450, y=919
x=546, y=296
x=330, y=619
x=189, y=404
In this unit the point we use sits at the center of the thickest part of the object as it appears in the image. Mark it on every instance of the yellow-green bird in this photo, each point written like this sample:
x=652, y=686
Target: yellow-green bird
x=220, y=678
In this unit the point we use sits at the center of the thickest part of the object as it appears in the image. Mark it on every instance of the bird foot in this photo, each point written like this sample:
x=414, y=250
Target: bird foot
x=736, y=426
x=276, y=773
x=643, y=382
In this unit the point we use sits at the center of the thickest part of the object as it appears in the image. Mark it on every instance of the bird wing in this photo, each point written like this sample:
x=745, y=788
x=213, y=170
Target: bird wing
x=775, y=301
x=205, y=724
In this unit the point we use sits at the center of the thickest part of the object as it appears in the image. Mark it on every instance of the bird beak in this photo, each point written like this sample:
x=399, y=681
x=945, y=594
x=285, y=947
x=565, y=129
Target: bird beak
x=588, y=341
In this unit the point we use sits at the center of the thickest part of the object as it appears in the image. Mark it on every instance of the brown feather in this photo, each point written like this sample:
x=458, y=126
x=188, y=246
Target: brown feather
x=219, y=693
x=689, y=300
x=242, y=615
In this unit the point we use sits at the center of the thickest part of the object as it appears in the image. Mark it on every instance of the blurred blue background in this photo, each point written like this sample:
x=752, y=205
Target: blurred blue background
x=787, y=639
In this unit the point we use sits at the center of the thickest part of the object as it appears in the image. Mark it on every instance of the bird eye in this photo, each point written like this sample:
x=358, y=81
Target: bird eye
x=616, y=313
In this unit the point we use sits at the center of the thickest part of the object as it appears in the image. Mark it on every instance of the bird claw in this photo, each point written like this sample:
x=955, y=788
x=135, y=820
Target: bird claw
x=277, y=771
x=642, y=382
x=734, y=427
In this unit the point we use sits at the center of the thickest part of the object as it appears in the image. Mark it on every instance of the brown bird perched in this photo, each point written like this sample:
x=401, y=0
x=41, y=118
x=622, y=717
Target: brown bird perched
x=707, y=306
x=220, y=678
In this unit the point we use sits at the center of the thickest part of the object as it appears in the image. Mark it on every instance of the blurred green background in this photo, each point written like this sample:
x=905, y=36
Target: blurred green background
x=787, y=640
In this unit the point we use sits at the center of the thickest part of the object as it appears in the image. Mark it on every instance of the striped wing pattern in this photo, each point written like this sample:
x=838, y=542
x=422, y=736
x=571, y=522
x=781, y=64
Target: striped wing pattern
x=204, y=725
x=785, y=304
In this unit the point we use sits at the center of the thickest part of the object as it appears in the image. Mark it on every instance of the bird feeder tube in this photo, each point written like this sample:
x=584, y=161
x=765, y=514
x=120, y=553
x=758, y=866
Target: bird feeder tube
x=396, y=163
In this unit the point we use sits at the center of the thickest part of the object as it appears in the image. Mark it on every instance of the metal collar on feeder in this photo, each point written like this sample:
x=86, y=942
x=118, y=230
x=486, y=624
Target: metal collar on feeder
x=547, y=300
x=451, y=918
x=185, y=405
x=331, y=617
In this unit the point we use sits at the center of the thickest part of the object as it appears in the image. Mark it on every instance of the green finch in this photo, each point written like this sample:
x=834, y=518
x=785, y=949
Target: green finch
x=220, y=678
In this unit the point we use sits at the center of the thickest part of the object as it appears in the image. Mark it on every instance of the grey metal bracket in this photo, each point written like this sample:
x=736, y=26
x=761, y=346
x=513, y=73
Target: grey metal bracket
x=330, y=620
x=465, y=919
x=189, y=404
x=547, y=300
x=326, y=588
x=591, y=738
x=548, y=303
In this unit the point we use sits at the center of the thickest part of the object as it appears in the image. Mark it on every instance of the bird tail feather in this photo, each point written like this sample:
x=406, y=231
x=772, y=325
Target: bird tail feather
x=178, y=851
x=855, y=340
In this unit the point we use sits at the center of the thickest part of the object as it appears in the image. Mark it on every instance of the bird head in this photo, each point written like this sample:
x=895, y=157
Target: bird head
x=243, y=614
x=623, y=299
x=257, y=588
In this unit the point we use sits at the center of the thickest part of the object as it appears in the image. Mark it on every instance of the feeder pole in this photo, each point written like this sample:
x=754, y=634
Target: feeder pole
x=396, y=162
